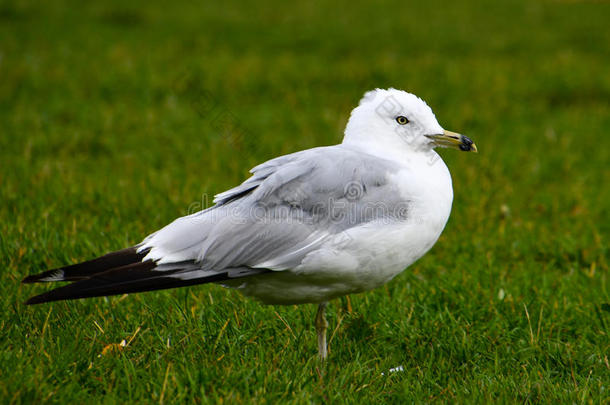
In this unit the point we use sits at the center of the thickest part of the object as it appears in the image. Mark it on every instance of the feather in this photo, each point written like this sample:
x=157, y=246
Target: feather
x=89, y=268
x=137, y=277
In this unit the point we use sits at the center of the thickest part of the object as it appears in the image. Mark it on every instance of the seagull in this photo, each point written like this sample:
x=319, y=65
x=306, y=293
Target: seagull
x=306, y=227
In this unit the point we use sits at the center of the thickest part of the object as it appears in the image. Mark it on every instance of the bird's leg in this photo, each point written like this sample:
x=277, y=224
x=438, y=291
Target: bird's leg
x=321, y=326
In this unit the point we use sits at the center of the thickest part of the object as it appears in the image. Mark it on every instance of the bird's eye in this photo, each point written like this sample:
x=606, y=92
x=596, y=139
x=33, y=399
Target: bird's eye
x=402, y=120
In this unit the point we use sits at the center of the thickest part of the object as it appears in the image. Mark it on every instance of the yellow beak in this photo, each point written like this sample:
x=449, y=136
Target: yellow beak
x=453, y=140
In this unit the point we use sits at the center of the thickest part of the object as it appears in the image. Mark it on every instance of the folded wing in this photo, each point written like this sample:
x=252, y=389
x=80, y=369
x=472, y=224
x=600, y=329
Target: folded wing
x=288, y=208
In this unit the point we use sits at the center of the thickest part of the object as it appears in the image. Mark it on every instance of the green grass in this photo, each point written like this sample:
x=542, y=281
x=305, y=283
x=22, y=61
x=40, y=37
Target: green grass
x=115, y=118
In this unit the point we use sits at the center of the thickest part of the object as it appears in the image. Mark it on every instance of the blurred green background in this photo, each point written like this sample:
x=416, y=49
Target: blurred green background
x=116, y=117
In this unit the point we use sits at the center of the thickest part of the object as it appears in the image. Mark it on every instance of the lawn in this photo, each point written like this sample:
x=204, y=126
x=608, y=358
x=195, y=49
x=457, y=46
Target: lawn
x=117, y=117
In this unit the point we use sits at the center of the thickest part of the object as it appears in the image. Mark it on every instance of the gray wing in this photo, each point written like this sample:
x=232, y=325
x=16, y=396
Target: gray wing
x=288, y=208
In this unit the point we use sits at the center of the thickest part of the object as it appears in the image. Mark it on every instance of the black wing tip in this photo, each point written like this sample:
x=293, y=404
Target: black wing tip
x=30, y=279
x=47, y=297
x=34, y=300
x=86, y=269
x=136, y=278
x=47, y=276
x=38, y=299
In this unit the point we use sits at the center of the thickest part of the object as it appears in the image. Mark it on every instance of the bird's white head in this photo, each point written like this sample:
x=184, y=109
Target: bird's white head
x=401, y=122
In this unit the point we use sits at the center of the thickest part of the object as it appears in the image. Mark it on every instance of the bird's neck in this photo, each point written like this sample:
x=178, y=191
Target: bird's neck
x=393, y=149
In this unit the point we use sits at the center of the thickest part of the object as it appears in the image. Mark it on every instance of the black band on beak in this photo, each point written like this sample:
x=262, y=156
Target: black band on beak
x=466, y=144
